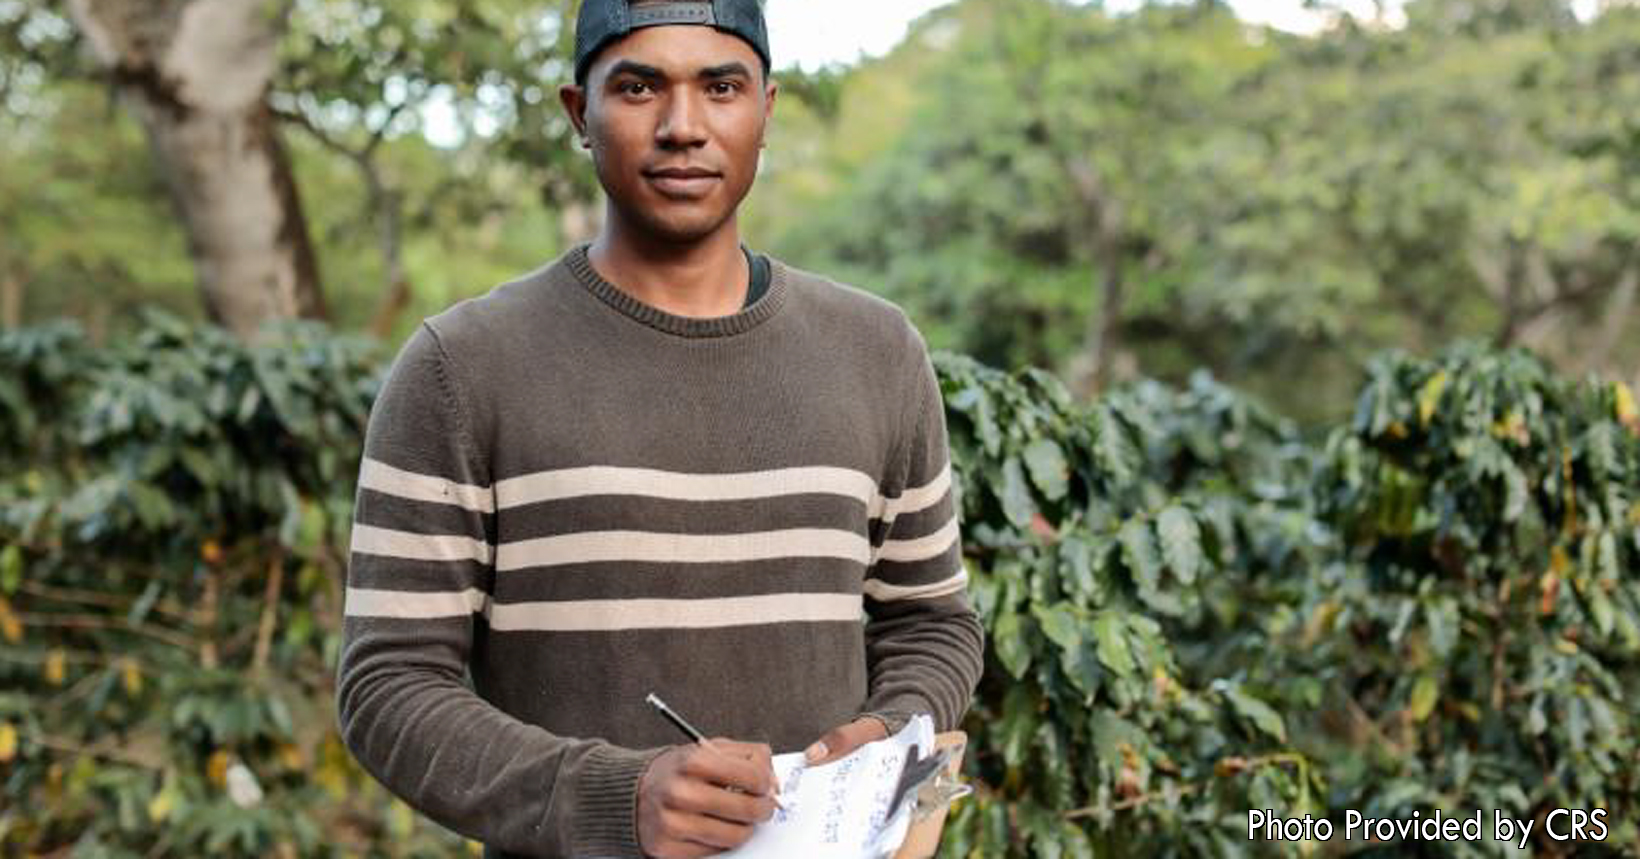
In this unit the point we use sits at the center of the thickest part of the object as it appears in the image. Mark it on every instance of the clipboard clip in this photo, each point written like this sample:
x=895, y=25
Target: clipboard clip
x=928, y=780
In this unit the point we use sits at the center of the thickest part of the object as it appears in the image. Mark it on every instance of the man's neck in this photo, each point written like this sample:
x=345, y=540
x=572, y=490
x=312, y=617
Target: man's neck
x=704, y=279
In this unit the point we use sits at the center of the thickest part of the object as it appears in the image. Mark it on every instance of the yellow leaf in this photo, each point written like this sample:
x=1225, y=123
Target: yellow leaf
x=1163, y=683
x=216, y=769
x=131, y=676
x=1429, y=397
x=401, y=821
x=10, y=626
x=56, y=668
x=8, y=742
x=211, y=552
x=332, y=771
x=1548, y=589
x=1512, y=427
x=1319, y=620
x=291, y=756
x=1424, y=695
x=1397, y=431
x=1568, y=524
x=160, y=806
x=1627, y=413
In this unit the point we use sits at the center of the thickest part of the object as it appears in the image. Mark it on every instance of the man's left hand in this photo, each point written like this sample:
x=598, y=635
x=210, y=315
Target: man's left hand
x=843, y=739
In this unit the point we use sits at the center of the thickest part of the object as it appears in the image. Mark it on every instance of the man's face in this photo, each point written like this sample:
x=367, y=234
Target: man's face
x=674, y=116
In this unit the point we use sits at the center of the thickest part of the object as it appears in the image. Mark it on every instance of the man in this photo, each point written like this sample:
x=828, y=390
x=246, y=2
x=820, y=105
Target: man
x=659, y=464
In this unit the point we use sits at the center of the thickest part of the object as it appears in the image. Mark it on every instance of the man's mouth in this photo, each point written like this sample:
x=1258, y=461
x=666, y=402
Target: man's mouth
x=683, y=172
x=682, y=182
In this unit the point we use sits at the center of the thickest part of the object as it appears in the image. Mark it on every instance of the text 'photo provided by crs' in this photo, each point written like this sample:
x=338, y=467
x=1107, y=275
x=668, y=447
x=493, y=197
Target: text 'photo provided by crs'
x=1561, y=824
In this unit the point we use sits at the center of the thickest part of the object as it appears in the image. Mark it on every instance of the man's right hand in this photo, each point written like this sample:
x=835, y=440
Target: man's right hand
x=700, y=800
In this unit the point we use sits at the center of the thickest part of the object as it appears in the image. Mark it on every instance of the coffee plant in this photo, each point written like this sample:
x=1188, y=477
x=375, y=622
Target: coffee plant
x=1193, y=608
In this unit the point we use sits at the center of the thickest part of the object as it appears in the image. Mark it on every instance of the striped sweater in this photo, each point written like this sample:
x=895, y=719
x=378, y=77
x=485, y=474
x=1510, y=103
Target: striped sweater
x=570, y=498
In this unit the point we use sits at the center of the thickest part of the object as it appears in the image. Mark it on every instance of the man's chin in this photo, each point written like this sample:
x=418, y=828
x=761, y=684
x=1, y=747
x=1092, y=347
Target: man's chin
x=690, y=229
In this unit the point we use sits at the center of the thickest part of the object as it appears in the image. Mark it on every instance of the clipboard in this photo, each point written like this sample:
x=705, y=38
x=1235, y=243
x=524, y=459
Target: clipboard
x=933, y=791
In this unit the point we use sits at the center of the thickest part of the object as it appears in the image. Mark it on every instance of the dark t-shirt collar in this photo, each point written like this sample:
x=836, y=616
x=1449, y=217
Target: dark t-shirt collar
x=759, y=281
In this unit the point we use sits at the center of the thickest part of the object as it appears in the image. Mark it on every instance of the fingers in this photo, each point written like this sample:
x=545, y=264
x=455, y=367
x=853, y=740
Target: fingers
x=844, y=739
x=684, y=808
x=755, y=752
x=744, y=766
x=700, y=798
x=705, y=831
x=673, y=849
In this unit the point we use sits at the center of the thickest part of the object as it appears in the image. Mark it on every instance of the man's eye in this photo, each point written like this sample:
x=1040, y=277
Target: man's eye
x=723, y=88
x=632, y=88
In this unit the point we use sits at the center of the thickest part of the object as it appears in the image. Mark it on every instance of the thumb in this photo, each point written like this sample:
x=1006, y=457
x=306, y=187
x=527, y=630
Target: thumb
x=842, y=740
x=830, y=745
x=817, y=751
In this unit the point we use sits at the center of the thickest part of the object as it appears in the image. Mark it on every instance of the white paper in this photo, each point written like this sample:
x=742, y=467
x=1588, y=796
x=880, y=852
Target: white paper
x=836, y=811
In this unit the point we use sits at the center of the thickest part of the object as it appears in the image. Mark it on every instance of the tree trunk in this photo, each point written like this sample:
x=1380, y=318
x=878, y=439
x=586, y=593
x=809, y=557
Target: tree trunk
x=11, y=300
x=1101, y=219
x=1598, y=356
x=196, y=74
x=388, y=206
x=1104, y=329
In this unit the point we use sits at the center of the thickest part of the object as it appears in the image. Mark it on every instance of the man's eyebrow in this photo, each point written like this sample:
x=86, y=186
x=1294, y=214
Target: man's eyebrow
x=628, y=67
x=725, y=70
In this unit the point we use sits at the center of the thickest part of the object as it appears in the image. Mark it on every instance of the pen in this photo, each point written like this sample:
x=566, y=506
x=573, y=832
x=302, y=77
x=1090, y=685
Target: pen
x=688, y=729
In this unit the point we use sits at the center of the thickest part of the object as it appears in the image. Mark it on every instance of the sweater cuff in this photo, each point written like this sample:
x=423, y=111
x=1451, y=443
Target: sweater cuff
x=607, y=825
x=897, y=713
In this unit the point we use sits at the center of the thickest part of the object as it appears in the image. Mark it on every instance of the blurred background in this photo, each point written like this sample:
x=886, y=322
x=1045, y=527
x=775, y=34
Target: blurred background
x=1289, y=352
x=1102, y=191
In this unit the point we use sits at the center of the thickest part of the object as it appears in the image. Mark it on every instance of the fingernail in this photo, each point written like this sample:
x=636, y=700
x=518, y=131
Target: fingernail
x=815, y=752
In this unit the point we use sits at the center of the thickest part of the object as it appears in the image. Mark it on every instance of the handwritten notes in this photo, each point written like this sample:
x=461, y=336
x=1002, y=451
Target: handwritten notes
x=840, y=810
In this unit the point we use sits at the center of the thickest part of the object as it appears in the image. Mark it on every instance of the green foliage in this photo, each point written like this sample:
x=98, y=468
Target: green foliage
x=174, y=511
x=1036, y=180
x=1088, y=735
x=1193, y=191
x=86, y=229
x=1486, y=617
x=1191, y=610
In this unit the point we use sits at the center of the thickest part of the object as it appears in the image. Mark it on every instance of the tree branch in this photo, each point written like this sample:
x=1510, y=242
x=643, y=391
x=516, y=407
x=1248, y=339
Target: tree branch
x=95, y=621
x=167, y=607
x=1176, y=791
x=384, y=204
x=1616, y=318
x=270, y=611
x=105, y=749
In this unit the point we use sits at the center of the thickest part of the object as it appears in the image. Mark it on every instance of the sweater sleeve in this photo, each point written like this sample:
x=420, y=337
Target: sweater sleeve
x=924, y=644
x=421, y=566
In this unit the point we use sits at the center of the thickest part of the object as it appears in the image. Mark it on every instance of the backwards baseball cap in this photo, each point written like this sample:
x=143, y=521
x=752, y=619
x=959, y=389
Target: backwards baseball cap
x=603, y=21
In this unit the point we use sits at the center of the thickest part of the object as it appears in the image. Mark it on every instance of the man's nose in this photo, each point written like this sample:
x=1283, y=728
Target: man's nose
x=682, y=123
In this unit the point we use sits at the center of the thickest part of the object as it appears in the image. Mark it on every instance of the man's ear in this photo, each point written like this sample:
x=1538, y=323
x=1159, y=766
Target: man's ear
x=574, y=99
x=771, y=90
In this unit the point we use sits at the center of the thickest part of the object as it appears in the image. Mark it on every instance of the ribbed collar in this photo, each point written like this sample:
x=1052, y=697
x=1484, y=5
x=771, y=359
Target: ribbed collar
x=683, y=326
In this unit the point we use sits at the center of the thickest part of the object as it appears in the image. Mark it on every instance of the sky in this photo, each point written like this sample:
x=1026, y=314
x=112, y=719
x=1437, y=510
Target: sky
x=812, y=33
